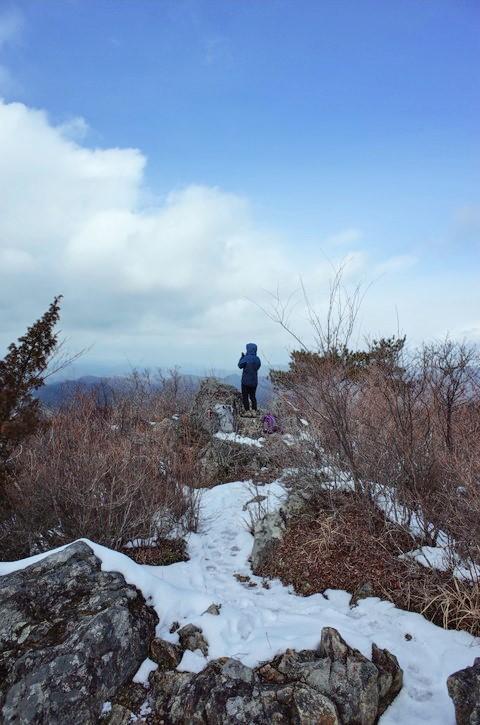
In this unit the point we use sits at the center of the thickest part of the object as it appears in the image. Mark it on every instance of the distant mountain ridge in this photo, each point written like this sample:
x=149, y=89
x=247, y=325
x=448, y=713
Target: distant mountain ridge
x=55, y=394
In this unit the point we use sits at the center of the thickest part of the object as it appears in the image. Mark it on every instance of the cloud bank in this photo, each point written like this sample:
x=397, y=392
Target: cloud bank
x=174, y=282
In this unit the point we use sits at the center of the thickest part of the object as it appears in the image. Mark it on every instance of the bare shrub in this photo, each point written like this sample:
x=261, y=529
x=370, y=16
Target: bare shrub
x=332, y=544
x=402, y=427
x=90, y=474
x=150, y=397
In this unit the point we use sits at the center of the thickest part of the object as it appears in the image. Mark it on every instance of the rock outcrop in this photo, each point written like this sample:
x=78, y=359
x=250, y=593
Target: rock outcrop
x=267, y=533
x=224, y=460
x=464, y=689
x=269, y=530
x=70, y=636
x=333, y=685
x=216, y=407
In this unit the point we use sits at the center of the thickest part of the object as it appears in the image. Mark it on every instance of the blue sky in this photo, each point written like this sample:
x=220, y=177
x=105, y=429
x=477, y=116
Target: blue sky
x=343, y=129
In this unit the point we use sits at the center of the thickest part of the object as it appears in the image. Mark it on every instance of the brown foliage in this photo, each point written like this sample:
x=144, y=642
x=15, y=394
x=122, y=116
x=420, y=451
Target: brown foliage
x=101, y=473
x=410, y=428
x=334, y=545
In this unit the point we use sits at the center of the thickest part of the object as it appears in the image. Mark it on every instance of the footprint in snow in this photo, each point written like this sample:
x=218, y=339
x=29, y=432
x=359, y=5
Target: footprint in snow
x=419, y=695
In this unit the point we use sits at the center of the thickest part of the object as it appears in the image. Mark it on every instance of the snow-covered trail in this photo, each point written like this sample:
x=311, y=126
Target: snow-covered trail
x=255, y=623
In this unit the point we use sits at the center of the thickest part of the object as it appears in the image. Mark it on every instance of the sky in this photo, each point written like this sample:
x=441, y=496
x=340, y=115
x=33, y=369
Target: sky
x=170, y=166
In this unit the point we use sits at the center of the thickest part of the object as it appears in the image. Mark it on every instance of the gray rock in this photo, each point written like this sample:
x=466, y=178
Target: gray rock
x=165, y=654
x=191, y=638
x=70, y=636
x=360, y=689
x=390, y=678
x=330, y=686
x=268, y=532
x=212, y=401
x=131, y=696
x=213, y=609
x=228, y=692
x=223, y=460
x=310, y=707
x=225, y=417
x=298, y=500
x=120, y=715
x=464, y=689
x=352, y=680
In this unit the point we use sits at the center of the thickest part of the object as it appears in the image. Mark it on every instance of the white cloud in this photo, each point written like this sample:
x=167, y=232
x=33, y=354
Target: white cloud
x=71, y=222
x=15, y=260
x=161, y=284
x=75, y=129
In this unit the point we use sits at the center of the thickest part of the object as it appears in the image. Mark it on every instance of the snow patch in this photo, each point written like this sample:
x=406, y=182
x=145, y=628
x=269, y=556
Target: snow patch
x=242, y=440
x=144, y=670
x=192, y=661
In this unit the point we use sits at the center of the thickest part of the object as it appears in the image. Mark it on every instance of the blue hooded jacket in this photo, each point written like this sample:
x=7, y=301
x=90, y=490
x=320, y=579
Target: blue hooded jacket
x=250, y=363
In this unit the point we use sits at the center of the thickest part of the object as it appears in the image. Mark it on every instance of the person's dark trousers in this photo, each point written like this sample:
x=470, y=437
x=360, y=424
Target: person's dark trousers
x=248, y=396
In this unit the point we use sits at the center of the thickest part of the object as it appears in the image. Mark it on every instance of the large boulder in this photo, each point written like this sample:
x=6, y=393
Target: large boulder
x=228, y=692
x=464, y=689
x=70, y=636
x=329, y=686
x=216, y=407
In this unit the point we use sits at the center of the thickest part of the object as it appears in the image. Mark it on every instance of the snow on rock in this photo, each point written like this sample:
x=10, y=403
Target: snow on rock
x=144, y=670
x=334, y=684
x=75, y=630
x=241, y=440
x=192, y=661
x=256, y=624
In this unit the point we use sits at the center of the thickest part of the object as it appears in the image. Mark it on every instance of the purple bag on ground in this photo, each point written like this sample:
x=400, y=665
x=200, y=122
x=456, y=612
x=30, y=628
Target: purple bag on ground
x=270, y=424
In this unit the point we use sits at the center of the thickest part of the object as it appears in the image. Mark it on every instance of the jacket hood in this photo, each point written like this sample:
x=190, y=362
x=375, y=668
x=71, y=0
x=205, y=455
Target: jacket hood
x=251, y=348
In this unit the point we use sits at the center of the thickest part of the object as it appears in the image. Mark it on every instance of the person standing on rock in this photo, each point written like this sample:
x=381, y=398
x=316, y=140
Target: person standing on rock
x=250, y=363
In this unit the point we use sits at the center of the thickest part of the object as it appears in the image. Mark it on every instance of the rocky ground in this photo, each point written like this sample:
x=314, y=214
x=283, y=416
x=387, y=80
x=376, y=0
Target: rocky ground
x=88, y=635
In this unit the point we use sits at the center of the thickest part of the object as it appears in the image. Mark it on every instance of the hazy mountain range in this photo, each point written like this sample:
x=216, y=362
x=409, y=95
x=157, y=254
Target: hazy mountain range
x=55, y=394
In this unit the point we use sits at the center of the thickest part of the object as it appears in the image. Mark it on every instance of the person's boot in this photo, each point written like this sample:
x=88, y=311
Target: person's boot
x=245, y=414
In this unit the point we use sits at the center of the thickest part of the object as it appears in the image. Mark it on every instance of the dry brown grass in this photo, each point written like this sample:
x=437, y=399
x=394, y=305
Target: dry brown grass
x=166, y=551
x=339, y=547
x=452, y=604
